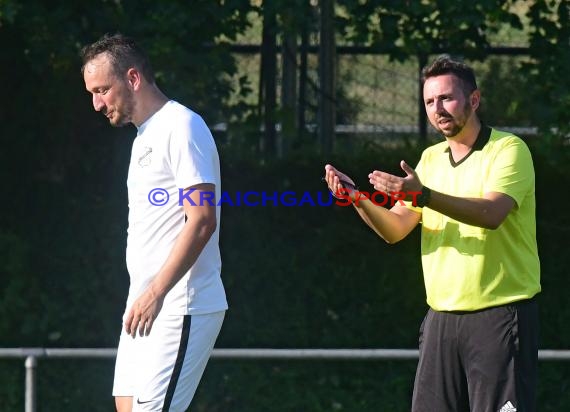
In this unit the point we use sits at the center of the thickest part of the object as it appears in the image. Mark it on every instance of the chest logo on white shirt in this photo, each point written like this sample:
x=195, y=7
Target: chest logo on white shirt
x=145, y=158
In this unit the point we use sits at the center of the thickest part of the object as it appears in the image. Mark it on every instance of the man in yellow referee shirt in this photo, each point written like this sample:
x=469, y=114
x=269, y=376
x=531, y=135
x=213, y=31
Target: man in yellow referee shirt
x=479, y=340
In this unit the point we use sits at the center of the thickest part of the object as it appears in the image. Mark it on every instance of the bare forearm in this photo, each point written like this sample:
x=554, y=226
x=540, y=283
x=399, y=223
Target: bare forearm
x=487, y=212
x=390, y=226
x=188, y=246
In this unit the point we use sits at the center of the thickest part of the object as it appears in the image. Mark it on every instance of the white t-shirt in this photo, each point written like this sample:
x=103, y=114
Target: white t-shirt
x=173, y=150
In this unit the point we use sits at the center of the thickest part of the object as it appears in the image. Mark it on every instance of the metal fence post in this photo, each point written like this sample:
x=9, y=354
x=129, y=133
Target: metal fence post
x=31, y=363
x=422, y=115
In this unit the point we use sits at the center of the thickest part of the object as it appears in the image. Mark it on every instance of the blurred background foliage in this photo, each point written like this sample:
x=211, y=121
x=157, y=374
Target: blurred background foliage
x=299, y=276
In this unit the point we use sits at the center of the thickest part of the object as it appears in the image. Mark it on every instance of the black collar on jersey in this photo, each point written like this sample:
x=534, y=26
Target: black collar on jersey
x=482, y=139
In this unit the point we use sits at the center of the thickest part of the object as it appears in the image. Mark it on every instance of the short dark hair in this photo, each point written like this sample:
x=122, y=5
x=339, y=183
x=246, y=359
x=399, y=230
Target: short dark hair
x=444, y=64
x=123, y=52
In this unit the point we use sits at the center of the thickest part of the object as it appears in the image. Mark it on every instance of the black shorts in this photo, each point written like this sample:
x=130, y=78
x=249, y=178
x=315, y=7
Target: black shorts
x=483, y=361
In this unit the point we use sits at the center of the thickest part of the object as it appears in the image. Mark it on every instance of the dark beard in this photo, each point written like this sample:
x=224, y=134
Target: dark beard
x=124, y=117
x=459, y=124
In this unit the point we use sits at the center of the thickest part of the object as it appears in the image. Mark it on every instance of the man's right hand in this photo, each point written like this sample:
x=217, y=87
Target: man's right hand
x=338, y=182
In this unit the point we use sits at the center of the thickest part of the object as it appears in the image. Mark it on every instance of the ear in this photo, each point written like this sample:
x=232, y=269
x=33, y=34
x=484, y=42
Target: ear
x=134, y=78
x=475, y=99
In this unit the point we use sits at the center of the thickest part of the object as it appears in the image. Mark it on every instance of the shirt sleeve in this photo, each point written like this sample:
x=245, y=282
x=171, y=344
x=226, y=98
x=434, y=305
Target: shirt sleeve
x=512, y=170
x=193, y=154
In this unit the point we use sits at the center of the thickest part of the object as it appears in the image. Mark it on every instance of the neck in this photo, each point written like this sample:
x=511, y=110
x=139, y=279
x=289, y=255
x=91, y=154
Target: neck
x=149, y=102
x=463, y=142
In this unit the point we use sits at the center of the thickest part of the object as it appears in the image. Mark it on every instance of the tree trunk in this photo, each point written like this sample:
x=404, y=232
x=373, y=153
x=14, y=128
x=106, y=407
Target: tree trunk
x=288, y=92
x=301, y=119
x=268, y=79
x=327, y=74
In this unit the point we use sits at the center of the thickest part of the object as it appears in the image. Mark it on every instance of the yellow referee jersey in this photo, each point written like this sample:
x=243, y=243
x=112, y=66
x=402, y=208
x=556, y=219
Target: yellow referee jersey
x=466, y=267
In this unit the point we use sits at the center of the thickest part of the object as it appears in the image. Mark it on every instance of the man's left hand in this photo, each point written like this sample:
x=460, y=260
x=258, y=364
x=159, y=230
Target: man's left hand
x=143, y=313
x=389, y=183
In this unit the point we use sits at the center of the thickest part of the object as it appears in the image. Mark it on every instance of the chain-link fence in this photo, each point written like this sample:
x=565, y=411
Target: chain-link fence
x=380, y=98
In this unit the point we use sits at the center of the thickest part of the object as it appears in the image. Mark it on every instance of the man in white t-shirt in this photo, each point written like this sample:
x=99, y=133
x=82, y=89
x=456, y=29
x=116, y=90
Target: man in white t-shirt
x=176, y=301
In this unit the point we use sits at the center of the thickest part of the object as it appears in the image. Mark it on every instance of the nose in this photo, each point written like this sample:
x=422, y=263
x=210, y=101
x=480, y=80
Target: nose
x=439, y=106
x=98, y=103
